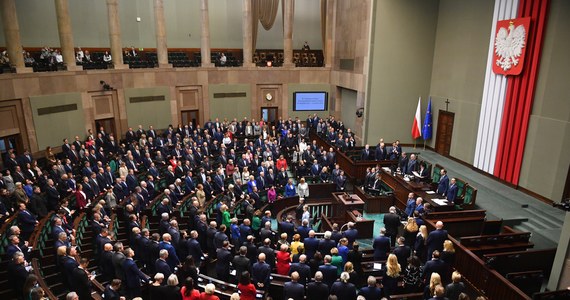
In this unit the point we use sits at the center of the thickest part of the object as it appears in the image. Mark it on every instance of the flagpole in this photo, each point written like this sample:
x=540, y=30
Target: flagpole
x=424, y=145
x=415, y=140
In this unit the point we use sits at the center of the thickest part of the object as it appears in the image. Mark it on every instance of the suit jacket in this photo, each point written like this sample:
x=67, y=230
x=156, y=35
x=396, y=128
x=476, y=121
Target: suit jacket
x=318, y=291
x=293, y=290
x=381, y=247
x=311, y=246
x=241, y=264
x=392, y=223
x=81, y=284
x=452, y=193
x=370, y=293
x=325, y=246
x=329, y=274
x=344, y=291
x=351, y=235
x=133, y=274
x=118, y=258
x=304, y=272
x=162, y=267
x=260, y=273
x=172, y=259
x=435, y=241
x=26, y=221
x=434, y=266
x=366, y=154
x=443, y=185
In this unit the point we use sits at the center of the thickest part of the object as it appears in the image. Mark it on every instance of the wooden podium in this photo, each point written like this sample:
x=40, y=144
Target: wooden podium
x=349, y=208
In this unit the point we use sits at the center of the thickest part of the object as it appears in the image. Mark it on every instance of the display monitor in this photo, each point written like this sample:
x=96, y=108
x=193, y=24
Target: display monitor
x=310, y=101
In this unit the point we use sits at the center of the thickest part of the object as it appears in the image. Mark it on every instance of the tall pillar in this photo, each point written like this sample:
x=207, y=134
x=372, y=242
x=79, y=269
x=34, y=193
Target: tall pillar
x=115, y=34
x=247, y=34
x=288, y=33
x=12, y=35
x=161, y=48
x=205, y=36
x=329, y=35
x=560, y=274
x=65, y=34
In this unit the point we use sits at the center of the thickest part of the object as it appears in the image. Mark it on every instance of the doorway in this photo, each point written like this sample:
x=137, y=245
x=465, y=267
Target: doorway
x=269, y=114
x=190, y=116
x=108, y=125
x=444, y=132
x=8, y=144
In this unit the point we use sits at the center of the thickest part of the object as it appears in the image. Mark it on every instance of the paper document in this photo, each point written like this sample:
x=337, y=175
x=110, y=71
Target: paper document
x=440, y=201
x=417, y=174
x=386, y=169
x=377, y=266
x=430, y=192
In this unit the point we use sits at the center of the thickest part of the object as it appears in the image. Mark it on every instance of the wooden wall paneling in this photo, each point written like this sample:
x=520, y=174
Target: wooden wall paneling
x=190, y=98
x=15, y=122
x=276, y=91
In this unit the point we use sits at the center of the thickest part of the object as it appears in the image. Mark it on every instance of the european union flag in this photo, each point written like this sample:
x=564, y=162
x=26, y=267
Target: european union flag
x=427, y=130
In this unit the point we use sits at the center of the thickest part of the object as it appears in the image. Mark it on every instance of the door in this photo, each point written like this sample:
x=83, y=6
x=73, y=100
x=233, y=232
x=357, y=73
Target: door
x=10, y=143
x=108, y=125
x=269, y=114
x=190, y=116
x=444, y=132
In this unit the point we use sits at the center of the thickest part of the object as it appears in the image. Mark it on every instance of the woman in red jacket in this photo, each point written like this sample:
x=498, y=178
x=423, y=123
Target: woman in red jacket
x=283, y=260
x=80, y=198
x=281, y=163
x=246, y=288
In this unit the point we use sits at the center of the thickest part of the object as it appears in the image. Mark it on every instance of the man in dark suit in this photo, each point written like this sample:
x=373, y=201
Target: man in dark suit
x=268, y=253
x=26, y=221
x=366, y=153
x=112, y=290
x=311, y=245
x=161, y=266
x=14, y=246
x=241, y=262
x=133, y=275
x=318, y=290
x=118, y=258
x=350, y=234
x=302, y=269
x=81, y=281
x=412, y=165
x=326, y=244
x=245, y=231
x=402, y=251
x=287, y=227
x=443, y=184
x=371, y=291
x=68, y=264
x=172, y=259
x=329, y=271
x=293, y=289
x=260, y=273
x=380, y=152
x=223, y=263
x=436, y=238
x=452, y=192
x=106, y=262
x=435, y=265
x=194, y=248
x=392, y=223
x=17, y=273
x=381, y=246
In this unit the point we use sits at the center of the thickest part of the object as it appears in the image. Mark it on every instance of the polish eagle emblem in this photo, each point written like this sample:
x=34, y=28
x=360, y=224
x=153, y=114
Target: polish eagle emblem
x=510, y=43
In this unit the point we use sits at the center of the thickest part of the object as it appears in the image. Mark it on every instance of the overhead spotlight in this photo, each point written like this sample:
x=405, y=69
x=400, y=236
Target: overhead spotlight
x=106, y=86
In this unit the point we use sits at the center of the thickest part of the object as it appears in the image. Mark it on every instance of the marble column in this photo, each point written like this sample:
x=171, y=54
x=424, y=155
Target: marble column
x=12, y=35
x=329, y=35
x=205, y=35
x=289, y=6
x=247, y=34
x=65, y=34
x=161, y=48
x=115, y=34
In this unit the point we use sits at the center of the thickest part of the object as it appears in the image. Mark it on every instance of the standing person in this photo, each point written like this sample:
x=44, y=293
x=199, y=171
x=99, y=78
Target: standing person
x=188, y=291
x=392, y=223
x=245, y=287
x=391, y=276
x=420, y=247
x=133, y=275
x=436, y=238
x=455, y=288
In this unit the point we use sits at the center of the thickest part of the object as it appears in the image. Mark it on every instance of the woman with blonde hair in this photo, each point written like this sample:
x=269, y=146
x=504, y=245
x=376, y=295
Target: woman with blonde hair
x=354, y=278
x=201, y=195
x=420, y=245
x=226, y=219
x=434, y=281
x=283, y=259
x=410, y=232
x=391, y=276
x=295, y=244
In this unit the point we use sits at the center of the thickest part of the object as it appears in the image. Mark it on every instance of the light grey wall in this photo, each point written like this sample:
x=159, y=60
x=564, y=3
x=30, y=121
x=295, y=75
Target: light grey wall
x=38, y=24
x=230, y=108
x=348, y=108
x=401, y=65
x=546, y=159
x=459, y=63
x=155, y=113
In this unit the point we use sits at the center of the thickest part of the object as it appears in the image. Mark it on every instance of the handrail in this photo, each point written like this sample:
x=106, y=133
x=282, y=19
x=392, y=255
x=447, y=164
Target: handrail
x=39, y=230
x=37, y=272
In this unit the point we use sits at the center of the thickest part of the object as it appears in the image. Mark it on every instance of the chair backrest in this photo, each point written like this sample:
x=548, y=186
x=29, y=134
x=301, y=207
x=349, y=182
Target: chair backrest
x=470, y=193
x=460, y=187
x=436, y=173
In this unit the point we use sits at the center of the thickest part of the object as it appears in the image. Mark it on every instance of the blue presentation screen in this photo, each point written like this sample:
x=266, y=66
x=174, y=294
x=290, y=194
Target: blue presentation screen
x=310, y=101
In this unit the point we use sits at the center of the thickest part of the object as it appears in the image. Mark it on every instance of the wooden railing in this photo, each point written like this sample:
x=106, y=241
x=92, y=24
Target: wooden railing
x=38, y=273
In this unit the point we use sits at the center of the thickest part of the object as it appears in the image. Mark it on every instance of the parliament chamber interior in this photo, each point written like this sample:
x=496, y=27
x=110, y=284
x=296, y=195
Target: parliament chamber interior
x=284, y=149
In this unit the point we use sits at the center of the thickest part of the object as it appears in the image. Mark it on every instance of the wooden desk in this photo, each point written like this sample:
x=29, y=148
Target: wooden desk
x=375, y=204
x=344, y=203
x=402, y=188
